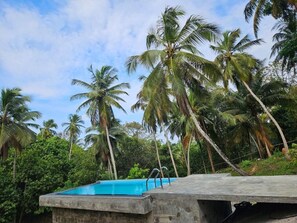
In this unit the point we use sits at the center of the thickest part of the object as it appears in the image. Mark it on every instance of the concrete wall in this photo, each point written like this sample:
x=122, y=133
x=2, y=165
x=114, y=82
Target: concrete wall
x=175, y=210
x=169, y=210
x=61, y=215
x=184, y=209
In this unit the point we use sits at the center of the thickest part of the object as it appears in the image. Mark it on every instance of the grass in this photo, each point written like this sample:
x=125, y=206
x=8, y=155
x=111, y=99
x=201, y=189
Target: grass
x=275, y=165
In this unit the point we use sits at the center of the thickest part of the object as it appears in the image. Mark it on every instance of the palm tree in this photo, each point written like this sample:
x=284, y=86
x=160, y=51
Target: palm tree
x=47, y=130
x=170, y=150
x=175, y=59
x=100, y=97
x=285, y=47
x=14, y=117
x=237, y=66
x=152, y=116
x=182, y=126
x=156, y=105
x=73, y=129
x=98, y=142
x=277, y=8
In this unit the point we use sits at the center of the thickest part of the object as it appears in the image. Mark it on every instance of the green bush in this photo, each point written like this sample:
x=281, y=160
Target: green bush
x=42, y=168
x=246, y=163
x=8, y=196
x=136, y=172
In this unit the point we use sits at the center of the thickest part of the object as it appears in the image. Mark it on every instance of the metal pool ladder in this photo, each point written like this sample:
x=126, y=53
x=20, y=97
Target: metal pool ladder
x=157, y=175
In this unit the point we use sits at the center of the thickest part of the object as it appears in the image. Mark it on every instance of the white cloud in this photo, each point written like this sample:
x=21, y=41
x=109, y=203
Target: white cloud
x=41, y=53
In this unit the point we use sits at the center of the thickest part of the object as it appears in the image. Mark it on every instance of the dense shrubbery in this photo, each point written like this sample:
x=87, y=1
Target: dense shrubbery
x=43, y=167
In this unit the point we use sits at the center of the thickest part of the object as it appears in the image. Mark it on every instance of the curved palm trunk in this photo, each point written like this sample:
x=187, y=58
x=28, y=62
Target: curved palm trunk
x=158, y=156
x=212, y=143
x=170, y=152
x=286, y=148
x=111, y=153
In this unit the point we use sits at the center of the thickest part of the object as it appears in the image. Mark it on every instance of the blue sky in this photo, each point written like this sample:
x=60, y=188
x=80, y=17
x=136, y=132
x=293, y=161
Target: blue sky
x=44, y=44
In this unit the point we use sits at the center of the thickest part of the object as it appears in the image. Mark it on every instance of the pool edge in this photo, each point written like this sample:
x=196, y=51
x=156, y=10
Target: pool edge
x=122, y=204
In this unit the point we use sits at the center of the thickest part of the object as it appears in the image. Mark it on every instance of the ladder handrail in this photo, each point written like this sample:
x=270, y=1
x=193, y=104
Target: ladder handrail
x=158, y=175
x=164, y=167
x=155, y=169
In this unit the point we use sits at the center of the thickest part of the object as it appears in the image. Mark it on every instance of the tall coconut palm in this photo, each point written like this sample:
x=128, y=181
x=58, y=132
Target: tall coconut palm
x=260, y=8
x=172, y=55
x=14, y=121
x=237, y=66
x=100, y=97
x=73, y=129
x=47, y=130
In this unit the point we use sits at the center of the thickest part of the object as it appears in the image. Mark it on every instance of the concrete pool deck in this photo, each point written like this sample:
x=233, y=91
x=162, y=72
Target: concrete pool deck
x=196, y=198
x=270, y=189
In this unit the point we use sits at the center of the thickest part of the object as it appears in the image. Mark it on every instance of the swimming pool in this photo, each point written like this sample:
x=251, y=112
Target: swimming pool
x=134, y=187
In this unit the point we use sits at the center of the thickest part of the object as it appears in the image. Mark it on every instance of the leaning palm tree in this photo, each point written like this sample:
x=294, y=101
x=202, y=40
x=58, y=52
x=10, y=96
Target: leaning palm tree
x=260, y=8
x=14, y=121
x=47, y=130
x=237, y=66
x=73, y=129
x=100, y=97
x=172, y=56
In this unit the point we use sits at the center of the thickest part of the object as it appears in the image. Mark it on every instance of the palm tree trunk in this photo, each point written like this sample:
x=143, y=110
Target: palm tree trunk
x=185, y=157
x=286, y=148
x=213, y=170
x=158, y=156
x=188, y=157
x=267, y=150
x=70, y=150
x=257, y=145
x=170, y=152
x=212, y=143
x=209, y=152
x=109, y=168
x=111, y=153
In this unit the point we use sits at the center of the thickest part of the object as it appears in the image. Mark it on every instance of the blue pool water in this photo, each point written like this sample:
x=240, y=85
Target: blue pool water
x=116, y=187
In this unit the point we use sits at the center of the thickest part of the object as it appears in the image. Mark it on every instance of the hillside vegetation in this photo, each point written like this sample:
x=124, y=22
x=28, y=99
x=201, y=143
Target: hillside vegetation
x=274, y=165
